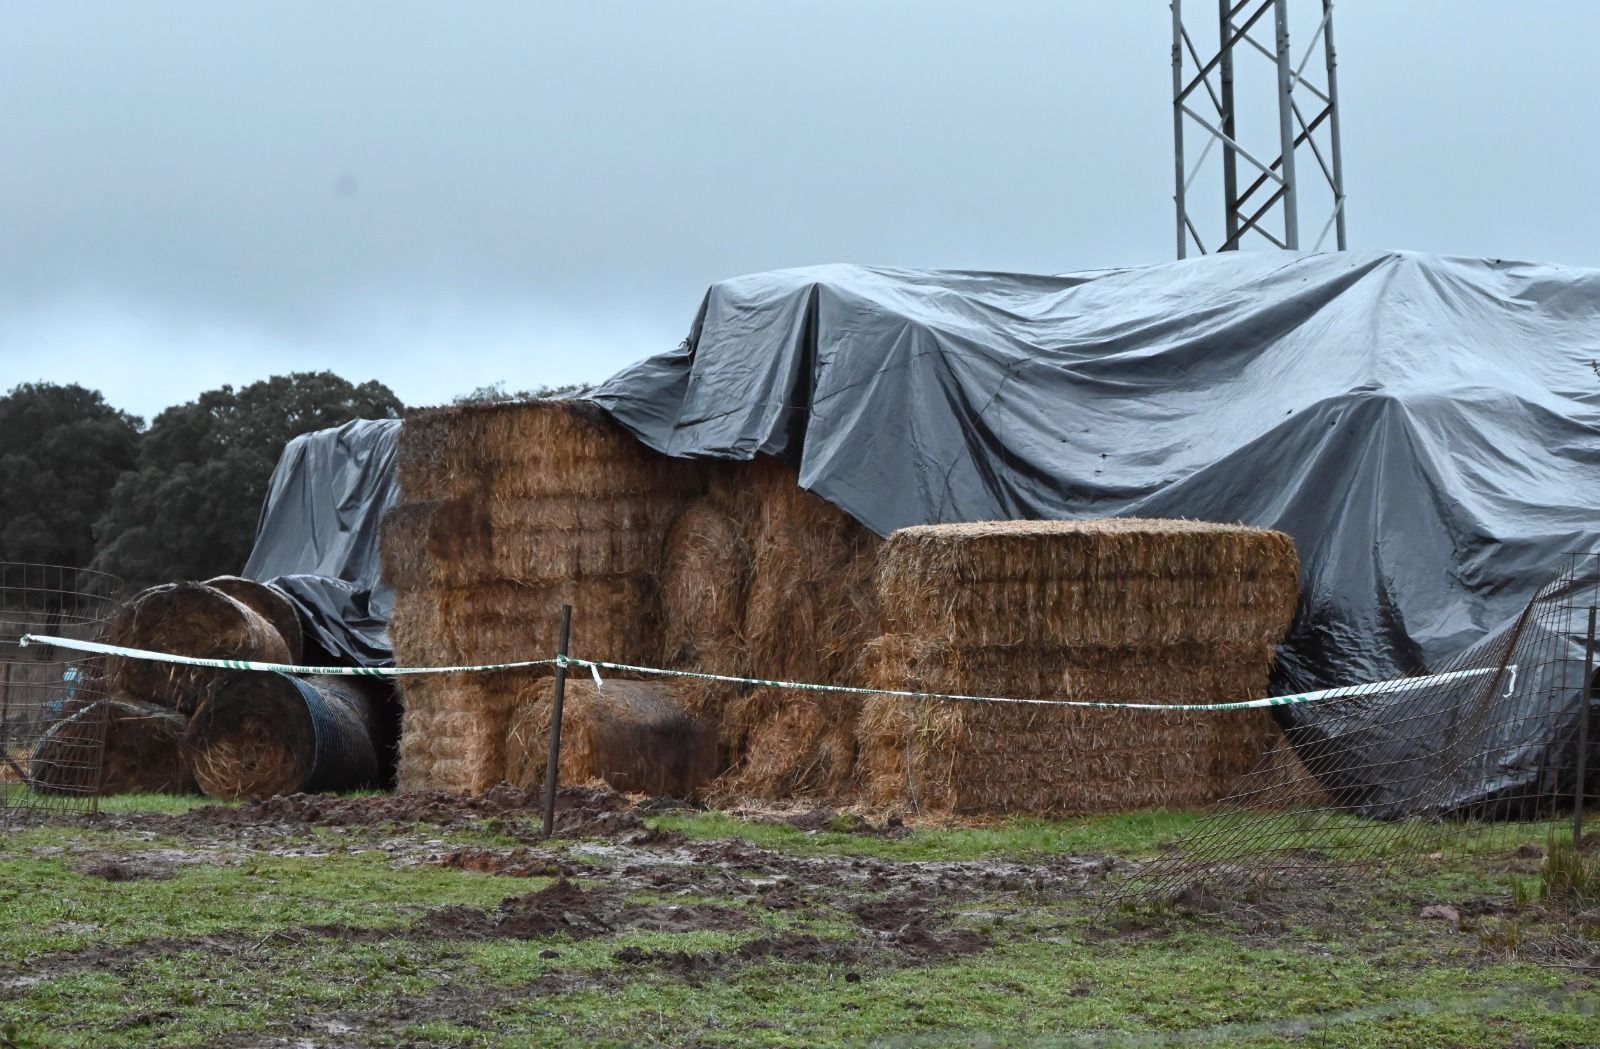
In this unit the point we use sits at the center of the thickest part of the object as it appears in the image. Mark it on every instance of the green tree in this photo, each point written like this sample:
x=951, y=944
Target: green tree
x=62, y=448
x=189, y=509
x=497, y=391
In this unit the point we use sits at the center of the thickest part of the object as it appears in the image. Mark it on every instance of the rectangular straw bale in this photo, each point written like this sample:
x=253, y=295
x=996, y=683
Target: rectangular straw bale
x=454, y=730
x=1098, y=583
x=435, y=546
x=531, y=449
x=614, y=618
x=974, y=758
x=635, y=736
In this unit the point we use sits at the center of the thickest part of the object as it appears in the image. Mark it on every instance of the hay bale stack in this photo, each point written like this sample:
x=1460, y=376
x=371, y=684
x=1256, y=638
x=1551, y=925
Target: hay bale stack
x=508, y=512
x=635, y=736
x=1143, y=611
x=190, y=619
x=809, y=609
x=259, y=734
x=143, y=750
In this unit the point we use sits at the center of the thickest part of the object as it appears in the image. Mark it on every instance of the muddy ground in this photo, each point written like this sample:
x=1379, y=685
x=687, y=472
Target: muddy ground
x=631, y=905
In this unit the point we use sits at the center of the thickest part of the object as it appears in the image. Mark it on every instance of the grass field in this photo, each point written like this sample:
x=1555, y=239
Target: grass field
x=327, y=923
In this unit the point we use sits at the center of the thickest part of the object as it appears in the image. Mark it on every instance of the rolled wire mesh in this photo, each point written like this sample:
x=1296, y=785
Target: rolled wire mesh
x=52, y=723
x=1380, y=782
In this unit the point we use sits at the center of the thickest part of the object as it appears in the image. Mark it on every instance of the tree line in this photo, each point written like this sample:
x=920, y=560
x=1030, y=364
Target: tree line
x=83, y=484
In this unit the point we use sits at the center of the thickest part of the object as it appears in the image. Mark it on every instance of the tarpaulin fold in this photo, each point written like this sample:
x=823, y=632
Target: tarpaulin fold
x=317, y=538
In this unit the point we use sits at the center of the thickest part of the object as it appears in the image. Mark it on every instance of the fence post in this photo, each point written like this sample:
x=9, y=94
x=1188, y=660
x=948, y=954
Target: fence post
x=553, y=761
x=1583, y=736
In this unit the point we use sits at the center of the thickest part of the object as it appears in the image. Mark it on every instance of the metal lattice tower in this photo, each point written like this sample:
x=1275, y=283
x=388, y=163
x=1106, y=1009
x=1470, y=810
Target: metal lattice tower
x=1278, y=145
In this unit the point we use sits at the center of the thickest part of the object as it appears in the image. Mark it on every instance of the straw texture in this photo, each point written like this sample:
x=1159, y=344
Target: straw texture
x=633, y=735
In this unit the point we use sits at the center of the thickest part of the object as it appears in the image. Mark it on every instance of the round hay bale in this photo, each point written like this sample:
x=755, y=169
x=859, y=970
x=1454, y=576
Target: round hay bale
x=810, y=605
x=633, y=735
x=262, y=734
x=705, y=565
x=1106, y=583
x=269, y=603
x=189, y=619
x=142, y=754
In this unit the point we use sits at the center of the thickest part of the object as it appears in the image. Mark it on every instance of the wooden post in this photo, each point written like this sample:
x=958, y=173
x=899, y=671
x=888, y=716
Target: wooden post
x=553, y=761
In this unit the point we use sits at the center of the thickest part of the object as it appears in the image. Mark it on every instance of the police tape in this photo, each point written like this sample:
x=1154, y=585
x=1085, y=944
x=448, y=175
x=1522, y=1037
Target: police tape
x=594, y=666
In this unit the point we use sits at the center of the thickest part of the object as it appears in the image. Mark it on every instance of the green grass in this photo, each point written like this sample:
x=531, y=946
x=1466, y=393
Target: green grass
x=225, y=952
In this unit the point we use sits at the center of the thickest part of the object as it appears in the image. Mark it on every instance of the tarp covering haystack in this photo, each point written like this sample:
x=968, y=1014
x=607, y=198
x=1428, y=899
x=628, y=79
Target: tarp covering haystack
x=1424, y=428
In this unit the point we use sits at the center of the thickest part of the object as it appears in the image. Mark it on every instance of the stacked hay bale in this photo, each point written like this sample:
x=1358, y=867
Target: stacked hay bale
x=509, y=511
x=1143, y=611
x=764, y=579
x=189, y=619
x=149, y=704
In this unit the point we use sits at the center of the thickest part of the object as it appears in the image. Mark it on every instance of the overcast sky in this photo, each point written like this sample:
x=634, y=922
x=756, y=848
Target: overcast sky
x=440, y=196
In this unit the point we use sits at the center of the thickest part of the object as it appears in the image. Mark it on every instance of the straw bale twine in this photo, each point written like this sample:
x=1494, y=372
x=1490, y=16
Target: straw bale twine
x=633, y=735
x=189, y=619
x=1105, y=583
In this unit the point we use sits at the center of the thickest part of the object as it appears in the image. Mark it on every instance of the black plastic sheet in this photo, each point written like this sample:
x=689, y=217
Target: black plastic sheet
x=317, y=540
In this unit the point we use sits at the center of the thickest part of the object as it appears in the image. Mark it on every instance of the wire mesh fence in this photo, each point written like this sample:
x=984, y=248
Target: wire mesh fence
x=53, y=717
x=1380, y=782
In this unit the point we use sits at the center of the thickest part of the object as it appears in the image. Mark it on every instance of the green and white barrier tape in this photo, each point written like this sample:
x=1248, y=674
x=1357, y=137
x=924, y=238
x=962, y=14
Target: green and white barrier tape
x=281, y=668
x=594, y=667
x=1343, y=692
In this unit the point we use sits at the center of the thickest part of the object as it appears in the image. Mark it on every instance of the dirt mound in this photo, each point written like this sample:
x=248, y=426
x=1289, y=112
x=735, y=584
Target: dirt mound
x=909, y=923
x=518, y=863
x=562, y=909
x=127, y=870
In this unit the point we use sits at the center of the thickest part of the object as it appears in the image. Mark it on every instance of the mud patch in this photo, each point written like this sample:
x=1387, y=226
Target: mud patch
x=128, y=869
x=518, y=863
x=562, y=909
x=579, y=811
x=794, y=947
x=910, y=924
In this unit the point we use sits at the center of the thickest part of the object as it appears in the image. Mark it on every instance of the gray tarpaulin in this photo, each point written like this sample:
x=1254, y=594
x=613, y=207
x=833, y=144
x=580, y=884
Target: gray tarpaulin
x=317, y=539
x=1427, y=429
